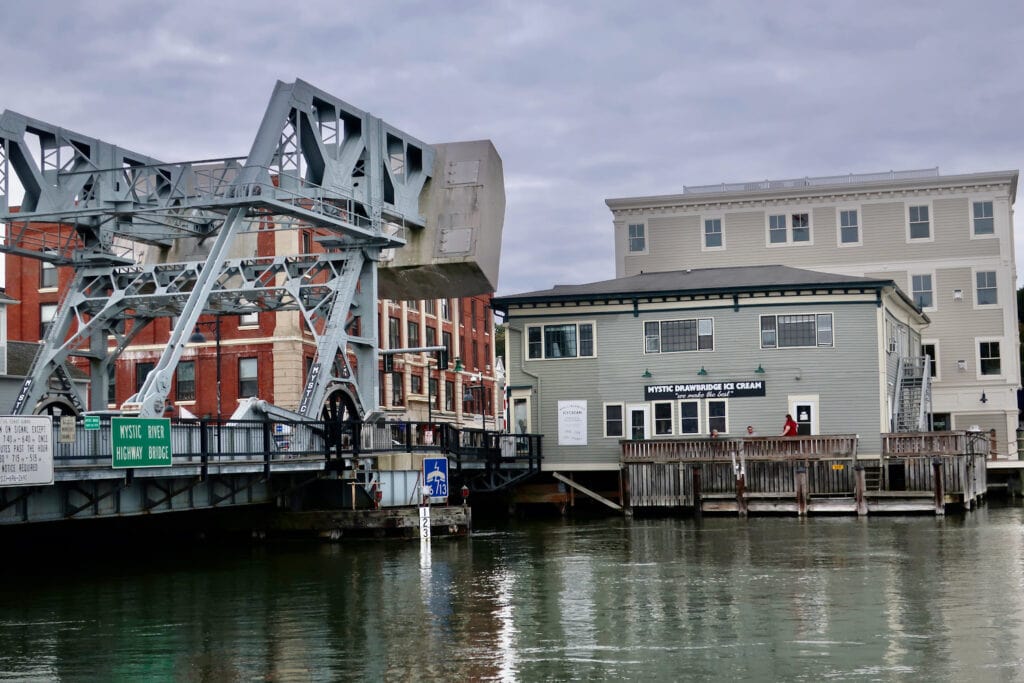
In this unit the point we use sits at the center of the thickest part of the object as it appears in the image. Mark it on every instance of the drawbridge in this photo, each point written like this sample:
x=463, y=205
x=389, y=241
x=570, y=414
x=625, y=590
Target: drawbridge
x=394, y=217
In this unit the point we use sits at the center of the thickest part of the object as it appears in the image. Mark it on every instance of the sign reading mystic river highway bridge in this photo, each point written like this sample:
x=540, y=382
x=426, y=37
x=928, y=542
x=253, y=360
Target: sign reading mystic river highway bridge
x=656, y=392
x=140, y=442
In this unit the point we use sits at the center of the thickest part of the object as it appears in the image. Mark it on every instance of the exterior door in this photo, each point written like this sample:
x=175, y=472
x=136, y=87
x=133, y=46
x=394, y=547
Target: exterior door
x=804, y=410
x=638, y=422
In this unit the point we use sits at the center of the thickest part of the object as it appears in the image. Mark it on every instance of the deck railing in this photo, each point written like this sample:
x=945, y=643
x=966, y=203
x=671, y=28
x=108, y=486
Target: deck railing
x=676, y=450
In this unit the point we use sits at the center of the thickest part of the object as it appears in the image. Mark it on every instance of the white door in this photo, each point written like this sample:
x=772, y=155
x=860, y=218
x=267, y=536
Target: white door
x=639, y=422
x=804, y=410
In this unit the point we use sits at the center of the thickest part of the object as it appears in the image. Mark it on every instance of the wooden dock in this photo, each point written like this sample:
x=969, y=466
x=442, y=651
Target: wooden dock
x=922, y=472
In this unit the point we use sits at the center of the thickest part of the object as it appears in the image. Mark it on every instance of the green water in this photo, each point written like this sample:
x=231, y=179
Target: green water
x=889, y=599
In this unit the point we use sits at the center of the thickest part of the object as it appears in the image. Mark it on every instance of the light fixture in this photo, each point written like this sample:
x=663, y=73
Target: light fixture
x=458, y=365
x=647, y=373
x=760, y=370
x=702, y=372
x=984, y=398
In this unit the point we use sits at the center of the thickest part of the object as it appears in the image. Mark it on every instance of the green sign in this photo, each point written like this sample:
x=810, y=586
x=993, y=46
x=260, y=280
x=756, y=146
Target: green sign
x=92, y=422
x=140, y=442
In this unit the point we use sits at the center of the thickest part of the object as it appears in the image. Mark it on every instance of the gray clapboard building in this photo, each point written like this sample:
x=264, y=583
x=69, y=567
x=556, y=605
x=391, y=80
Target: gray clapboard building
x=945, y=240
x=680, y=353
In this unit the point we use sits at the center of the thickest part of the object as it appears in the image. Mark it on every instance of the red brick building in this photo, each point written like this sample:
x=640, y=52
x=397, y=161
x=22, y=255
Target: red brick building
x=266, y=354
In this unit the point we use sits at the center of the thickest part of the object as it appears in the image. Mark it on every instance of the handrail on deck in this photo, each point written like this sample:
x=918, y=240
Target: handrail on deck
x=914, y=444
x=818, y=446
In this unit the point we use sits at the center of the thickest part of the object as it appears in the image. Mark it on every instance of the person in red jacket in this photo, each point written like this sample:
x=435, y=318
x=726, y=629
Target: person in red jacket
x=789, y=429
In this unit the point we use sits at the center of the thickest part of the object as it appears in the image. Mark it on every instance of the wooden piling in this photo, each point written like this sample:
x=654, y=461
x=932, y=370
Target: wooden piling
x=741, y=494
x=800, y=477
x=697, y=504
x=940, y=503
x=860, y=490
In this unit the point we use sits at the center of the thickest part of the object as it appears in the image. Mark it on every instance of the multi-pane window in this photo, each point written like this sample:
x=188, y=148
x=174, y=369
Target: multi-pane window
x=569, y=340
x=186, y=376
x=416, y=384
x=662, y=418
x=921, y=289
x=394, y=333
x=396, y=389
x=412, y=333
x=804, y=330
x=47, y=312
x=446, y=342
x=983, y=222
x=248, y=377
x=446, y=309
x=933, y=358
x=986, y=292
x=431, y=338
x=142, y=371
x=718, y=416
x=112, y=383
x=689, y=417
x=801, y=228
x=432, y=390
x=47, y=275
x=430, y=306
x=637, y=237
x=777, y=229
x=988, y=353
x=249, y=319
x=666, y=336
x=613, y=424
x=849, y=227
x=713, y=233
x=920, y=225
x=412, y=305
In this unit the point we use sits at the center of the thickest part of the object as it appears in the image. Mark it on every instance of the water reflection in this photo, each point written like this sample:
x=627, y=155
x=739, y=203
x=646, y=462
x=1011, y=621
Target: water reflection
x=767, y=598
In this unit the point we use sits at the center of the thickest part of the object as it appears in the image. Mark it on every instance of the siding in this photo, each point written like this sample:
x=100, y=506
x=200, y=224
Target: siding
x=846, y=377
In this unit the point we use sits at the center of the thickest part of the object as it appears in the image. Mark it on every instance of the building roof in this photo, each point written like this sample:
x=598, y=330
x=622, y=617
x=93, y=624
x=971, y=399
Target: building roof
x=702, y=281
x=21, y=354
x=854, y=182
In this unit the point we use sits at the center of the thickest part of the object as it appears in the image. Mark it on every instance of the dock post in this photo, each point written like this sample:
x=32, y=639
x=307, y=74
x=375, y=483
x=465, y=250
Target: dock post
x=698, y=506
x=741, y=494
x=859, y=490
x=800, y=475
x=940, y=504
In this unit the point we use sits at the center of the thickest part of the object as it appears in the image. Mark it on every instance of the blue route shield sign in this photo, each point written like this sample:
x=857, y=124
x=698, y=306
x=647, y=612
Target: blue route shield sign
x=435, y=476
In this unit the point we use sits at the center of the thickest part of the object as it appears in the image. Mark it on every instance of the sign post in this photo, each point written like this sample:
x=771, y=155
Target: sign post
x=140, y=442
x=26, y=450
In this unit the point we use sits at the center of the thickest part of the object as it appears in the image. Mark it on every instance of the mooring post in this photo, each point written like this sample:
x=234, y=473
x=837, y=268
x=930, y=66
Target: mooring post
x=698, y=506
x=800, y=476
x=741, y=494
x=859, y=489
x=940, y=505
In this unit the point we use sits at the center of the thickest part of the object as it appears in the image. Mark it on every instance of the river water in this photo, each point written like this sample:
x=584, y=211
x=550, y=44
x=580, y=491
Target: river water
x=889, y=599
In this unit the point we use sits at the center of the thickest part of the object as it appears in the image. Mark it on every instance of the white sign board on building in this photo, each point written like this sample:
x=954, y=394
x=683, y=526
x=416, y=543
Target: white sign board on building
x=572, y=423
x=26, y=450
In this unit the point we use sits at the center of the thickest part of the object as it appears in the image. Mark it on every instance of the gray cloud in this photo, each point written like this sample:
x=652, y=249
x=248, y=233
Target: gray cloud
x=583, y=100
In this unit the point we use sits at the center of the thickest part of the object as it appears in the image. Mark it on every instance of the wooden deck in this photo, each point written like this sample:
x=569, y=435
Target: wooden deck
x=932, y=472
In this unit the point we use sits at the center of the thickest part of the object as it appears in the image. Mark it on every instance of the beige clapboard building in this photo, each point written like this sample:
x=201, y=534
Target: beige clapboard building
x=947, y=240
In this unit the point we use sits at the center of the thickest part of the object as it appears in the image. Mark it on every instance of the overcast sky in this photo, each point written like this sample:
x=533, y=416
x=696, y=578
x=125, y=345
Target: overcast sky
x=583, y=100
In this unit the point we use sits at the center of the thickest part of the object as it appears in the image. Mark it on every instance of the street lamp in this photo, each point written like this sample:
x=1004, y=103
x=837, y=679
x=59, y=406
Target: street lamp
x=198, y=338
x=468, y=395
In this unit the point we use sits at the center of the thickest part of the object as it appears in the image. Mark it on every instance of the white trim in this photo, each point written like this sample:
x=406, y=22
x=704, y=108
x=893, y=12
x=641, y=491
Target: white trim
x=840, y=208
x=935, y=288
x=628, y=418
x=974, y=287
x=659, y=352
x=647, y=238
x=707, y=415
x=992, y=199
x=813, y=400
x=977, y=357
x=760, y=328
x=671, y=417
x=937, y=359
x=604, y=418
x=704, y=235
x=543, y=357
x=787, y=215
x=700, y=416
x=931, y=220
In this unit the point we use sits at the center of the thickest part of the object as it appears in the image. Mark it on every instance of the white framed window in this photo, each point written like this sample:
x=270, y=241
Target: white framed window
x=985, y=291
x=983, y=221
x=848, y=228
x=248, y=377
x=922, y=290
x=614, y=420
x=990, y=362
x=689, y=417
x=47, y=312
x=565, y=340
x=919, y=223
x=48, y=273
x=807, y=330
x=718, y=415
x=930, y=348
x=670, y=336
x=789, y=228
x=663, y=418
x=637, y=235
x=714, y=237
x=639, y=421
x=446, y=309
x=249, y=319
